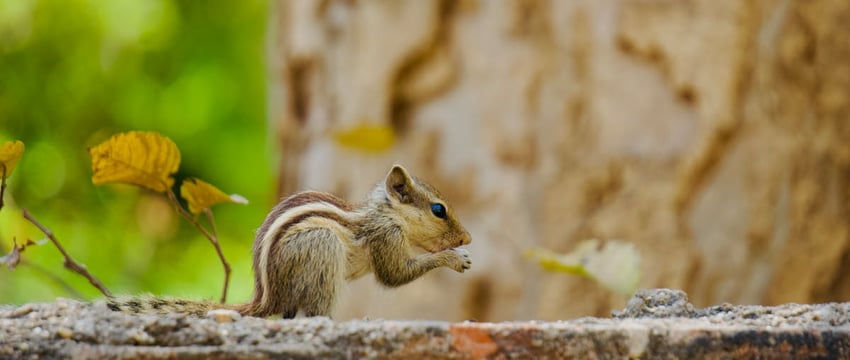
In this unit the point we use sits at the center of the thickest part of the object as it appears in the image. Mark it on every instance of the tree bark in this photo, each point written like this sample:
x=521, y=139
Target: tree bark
x=713, y=134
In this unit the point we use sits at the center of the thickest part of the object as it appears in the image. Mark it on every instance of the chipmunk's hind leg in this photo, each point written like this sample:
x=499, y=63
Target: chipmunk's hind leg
x=314, y=264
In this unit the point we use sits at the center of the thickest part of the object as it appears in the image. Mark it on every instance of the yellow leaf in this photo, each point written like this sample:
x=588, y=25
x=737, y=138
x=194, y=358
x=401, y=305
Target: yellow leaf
x=614, y=264
x=202, y=195
x=10, y=152
x=550, y=261
x=368, y=138
x=146, y=159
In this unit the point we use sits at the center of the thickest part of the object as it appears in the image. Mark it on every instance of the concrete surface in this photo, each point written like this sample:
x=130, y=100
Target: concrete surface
x=656, y=324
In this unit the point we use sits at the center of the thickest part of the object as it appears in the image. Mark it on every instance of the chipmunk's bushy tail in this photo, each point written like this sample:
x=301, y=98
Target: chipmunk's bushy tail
x=149, y=304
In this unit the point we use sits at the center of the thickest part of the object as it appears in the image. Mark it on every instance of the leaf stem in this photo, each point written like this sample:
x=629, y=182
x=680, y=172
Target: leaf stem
x=69, y=263
x=212, y=237
x=210, y=218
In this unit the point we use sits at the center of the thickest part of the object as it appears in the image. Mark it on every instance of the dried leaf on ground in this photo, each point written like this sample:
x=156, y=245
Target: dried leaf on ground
x=147, y=159
x=202, y=195
x=13, y=258
x=10, y=153
x=614, y=264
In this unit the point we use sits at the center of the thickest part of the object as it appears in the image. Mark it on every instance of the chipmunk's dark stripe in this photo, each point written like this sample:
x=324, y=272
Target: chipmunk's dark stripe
x=284, y=228
x=276, y=241
x=300, y=199
x=324, y=214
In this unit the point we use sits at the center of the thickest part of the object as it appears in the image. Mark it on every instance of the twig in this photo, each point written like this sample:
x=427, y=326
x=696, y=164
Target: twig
x=43, y=271
x=2, y=185
x=210, y=236
x=69, y=262
x=224, y=263
x=187, y=216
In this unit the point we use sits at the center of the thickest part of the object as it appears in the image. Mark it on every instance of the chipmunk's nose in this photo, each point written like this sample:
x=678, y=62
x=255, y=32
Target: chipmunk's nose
x=465, y=239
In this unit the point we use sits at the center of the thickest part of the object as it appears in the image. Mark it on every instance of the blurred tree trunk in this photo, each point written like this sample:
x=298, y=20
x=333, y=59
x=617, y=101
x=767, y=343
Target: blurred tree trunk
x=715, y=135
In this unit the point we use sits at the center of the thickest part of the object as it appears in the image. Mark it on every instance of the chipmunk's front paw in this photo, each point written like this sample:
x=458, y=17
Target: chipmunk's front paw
x=460, y=260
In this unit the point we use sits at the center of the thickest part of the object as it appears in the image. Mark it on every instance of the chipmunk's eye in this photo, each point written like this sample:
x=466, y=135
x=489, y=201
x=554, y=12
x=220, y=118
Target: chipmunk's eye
x=438, y=210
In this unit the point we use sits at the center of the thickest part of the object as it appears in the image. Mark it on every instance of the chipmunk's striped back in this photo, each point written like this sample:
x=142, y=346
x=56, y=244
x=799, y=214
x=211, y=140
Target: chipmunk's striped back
x=305, y=212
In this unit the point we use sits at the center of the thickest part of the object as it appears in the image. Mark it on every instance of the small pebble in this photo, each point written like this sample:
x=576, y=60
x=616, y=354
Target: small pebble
x=140, y=337
x=21, y=311
x=64, y=333
x=223, y=315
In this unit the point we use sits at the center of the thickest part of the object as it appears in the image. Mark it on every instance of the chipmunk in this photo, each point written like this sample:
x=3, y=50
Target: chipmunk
x=312, y=242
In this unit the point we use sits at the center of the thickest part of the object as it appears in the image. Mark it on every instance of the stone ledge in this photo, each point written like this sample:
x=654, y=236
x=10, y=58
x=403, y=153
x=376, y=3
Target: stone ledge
x=655, y=324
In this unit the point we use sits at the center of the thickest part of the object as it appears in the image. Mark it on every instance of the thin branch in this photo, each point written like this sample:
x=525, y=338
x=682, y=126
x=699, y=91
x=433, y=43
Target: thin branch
x=188, y=216
x=210, y=236
x=224, y=263
x=69, y=262
x=2, y=185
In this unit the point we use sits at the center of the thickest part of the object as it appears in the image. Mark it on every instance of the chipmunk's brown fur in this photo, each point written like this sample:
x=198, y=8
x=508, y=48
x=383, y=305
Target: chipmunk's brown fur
x=311, y=243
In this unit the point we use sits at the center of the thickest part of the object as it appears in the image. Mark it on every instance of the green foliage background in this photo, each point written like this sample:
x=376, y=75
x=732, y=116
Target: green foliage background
x=74, y=72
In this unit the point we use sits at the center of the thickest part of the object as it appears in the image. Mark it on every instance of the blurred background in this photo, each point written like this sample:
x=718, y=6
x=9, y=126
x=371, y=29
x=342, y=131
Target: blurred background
x=72, y=73
x=711, y=135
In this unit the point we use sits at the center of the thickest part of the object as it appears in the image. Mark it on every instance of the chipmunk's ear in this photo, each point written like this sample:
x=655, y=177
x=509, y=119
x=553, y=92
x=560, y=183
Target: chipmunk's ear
x=399, y=184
